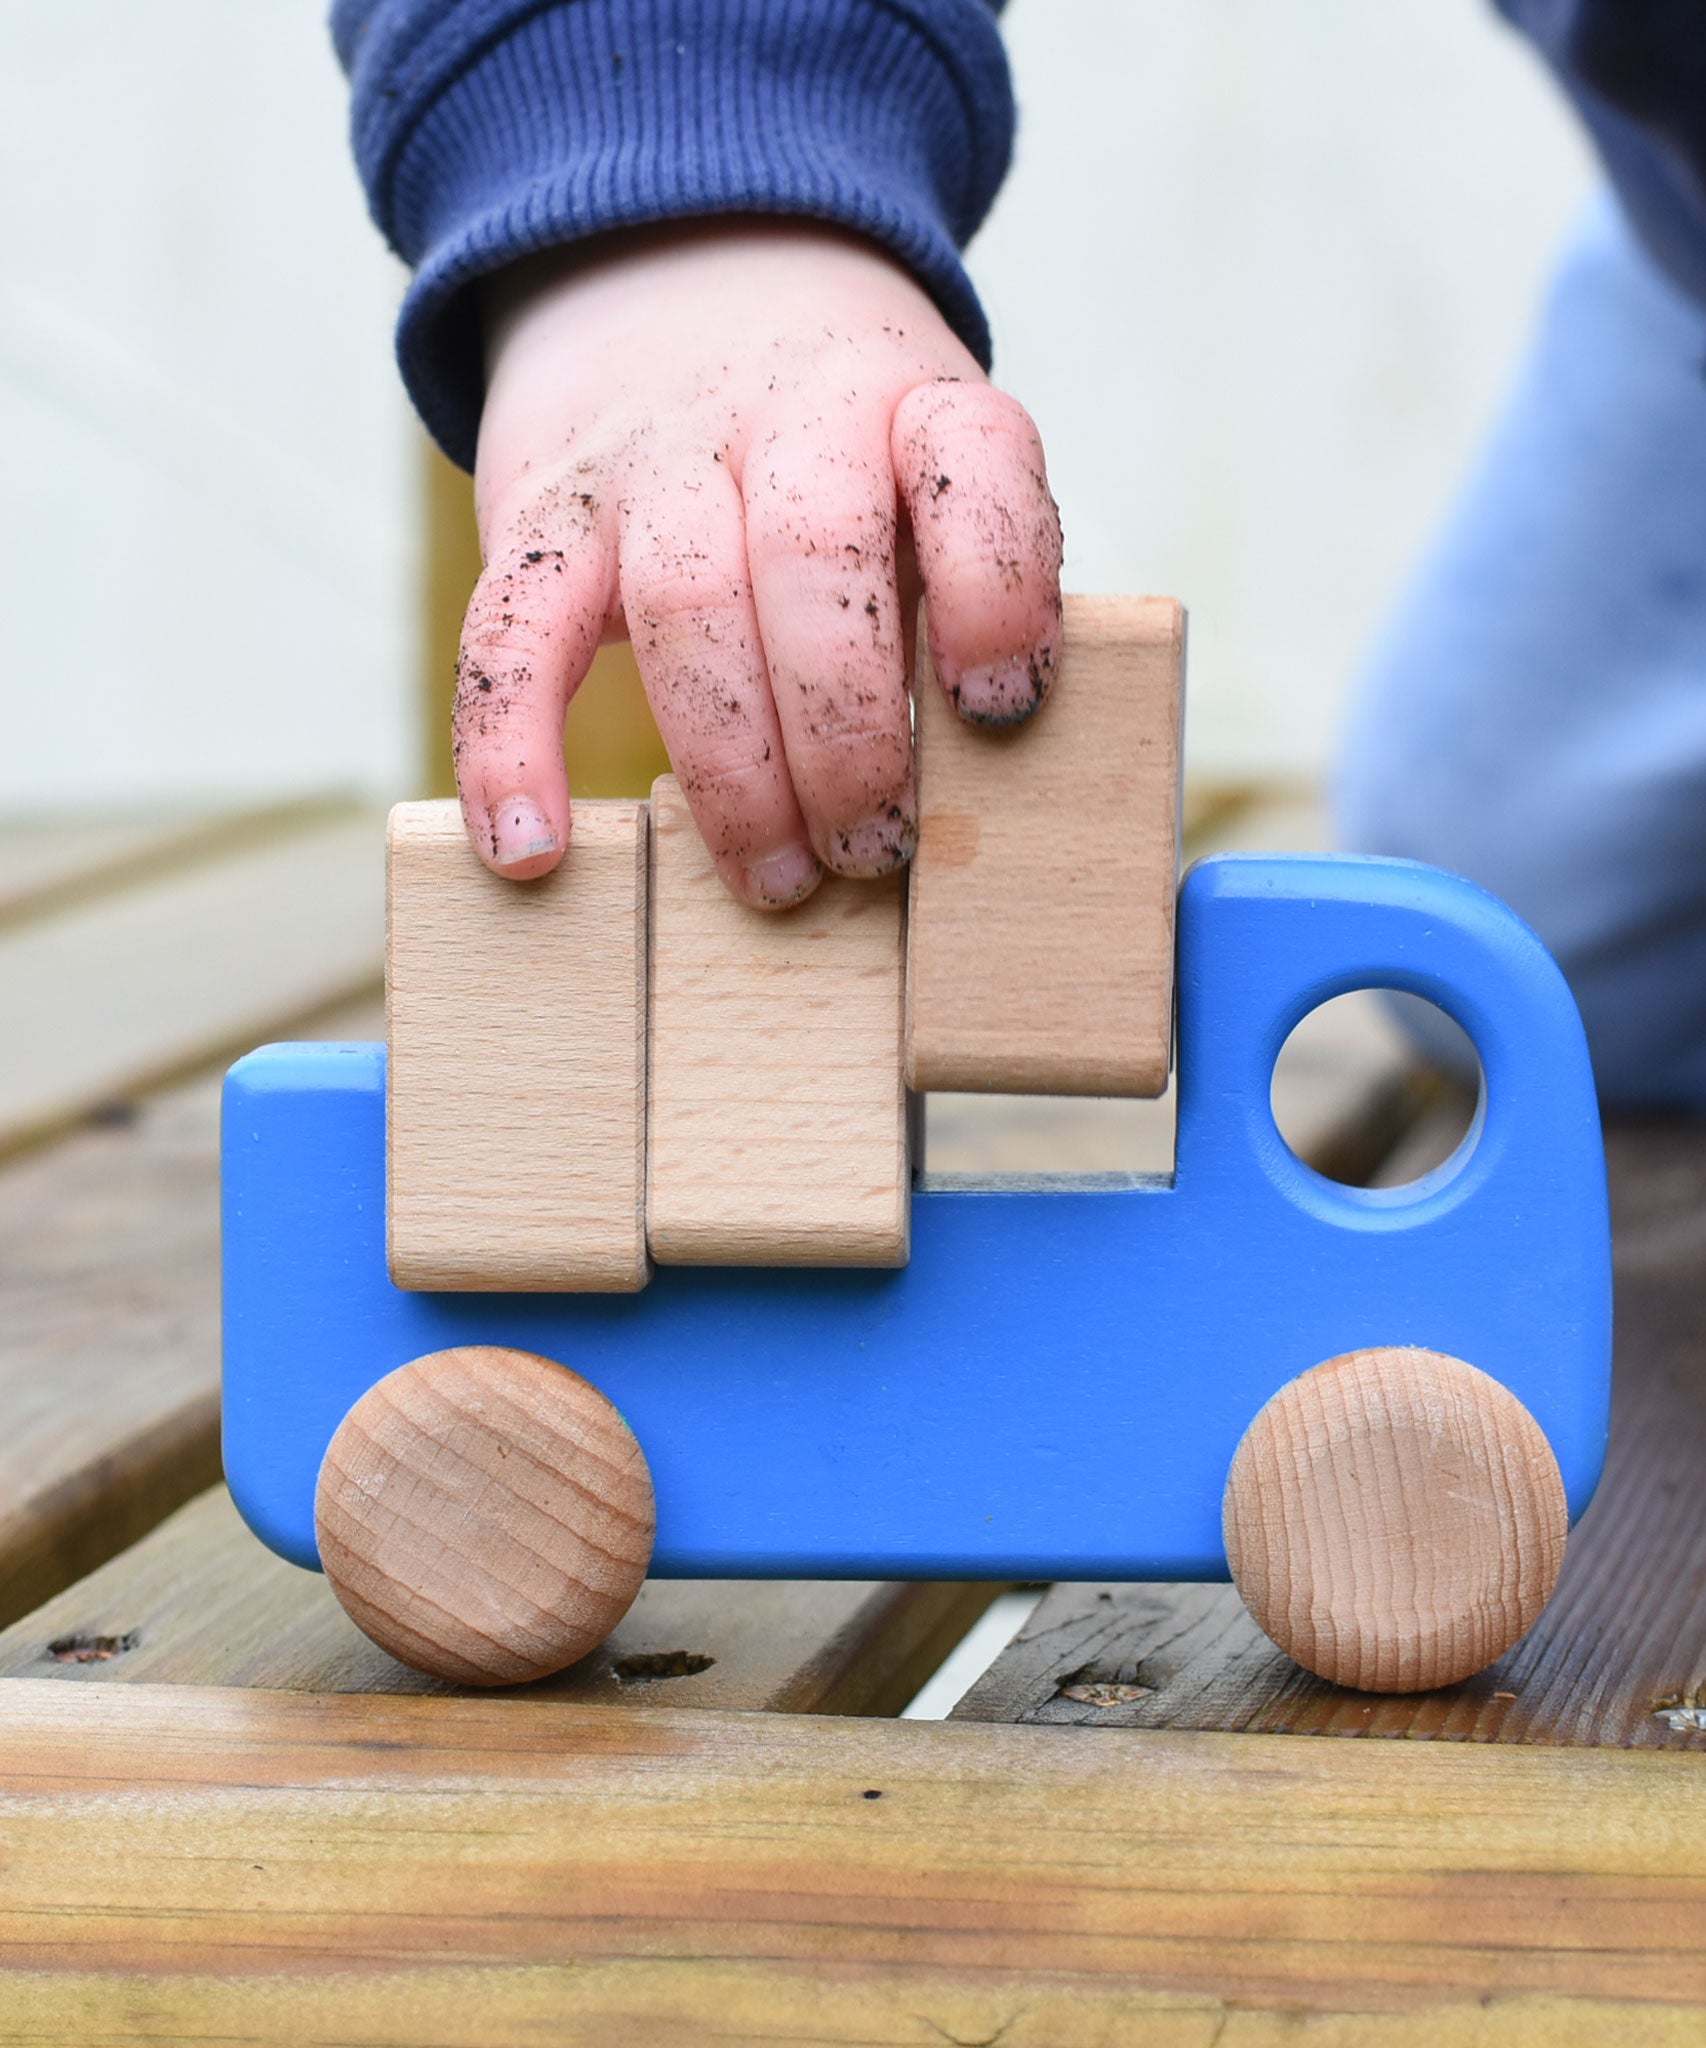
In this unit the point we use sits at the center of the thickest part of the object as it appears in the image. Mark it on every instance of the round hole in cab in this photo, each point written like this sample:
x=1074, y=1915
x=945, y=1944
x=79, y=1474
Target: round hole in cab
x=1376, y=1088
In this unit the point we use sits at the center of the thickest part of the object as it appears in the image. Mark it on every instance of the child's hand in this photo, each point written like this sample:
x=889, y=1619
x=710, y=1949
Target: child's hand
x=698, y=439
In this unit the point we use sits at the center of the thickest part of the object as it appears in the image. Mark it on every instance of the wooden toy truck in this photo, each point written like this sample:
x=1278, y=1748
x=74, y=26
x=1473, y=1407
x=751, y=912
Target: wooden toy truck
x=623, y=1267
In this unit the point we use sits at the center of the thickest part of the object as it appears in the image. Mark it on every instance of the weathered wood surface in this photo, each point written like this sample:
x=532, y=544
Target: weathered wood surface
x=109, y=1362
x=1618, y=1656
x=251, y=1862
x=191, y=962
x=200, y=1602
x=109, y=1332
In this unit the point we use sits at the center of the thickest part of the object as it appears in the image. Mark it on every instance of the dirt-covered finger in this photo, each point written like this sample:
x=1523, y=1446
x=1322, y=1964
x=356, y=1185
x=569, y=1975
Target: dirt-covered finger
x=969, y=463
x=688, y=601
x=532, y=627
x=821, y=536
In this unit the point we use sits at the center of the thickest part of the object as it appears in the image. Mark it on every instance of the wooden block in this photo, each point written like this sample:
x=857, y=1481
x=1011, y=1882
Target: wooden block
x=1040, y=928
x=109, y=1305
x=516, y=1102
x=1395, y=1520
x=778, y=1118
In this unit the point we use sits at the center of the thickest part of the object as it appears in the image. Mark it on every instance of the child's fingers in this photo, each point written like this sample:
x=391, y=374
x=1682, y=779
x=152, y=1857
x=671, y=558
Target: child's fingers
x=820, y=536
x=969, y=463
x=688, y=603
x=532, y=628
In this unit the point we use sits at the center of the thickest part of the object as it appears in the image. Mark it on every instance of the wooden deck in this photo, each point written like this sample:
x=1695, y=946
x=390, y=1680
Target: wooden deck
x=225, y=1817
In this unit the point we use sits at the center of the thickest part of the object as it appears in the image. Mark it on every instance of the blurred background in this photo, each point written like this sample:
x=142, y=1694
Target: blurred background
x=1261, y=272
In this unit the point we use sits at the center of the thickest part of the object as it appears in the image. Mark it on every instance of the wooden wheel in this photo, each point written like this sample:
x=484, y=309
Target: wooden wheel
x=1395, y=1520
x=485, y=1515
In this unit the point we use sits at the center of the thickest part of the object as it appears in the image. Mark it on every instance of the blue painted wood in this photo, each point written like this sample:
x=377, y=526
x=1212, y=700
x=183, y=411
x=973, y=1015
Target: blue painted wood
x=1055, y=1386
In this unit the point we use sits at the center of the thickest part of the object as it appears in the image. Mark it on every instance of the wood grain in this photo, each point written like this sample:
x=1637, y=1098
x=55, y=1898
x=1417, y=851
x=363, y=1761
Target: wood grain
x=778, y=1116
x=109, y=1308
x=1035, y=1885
x=1618, y=1657
x=119, y=991
x=770, y=2004
x=1395, y=1519
x=200, y=1602
x=1040, y=919
x=515, y=1111
x=109, y=1367
x=485, y=1515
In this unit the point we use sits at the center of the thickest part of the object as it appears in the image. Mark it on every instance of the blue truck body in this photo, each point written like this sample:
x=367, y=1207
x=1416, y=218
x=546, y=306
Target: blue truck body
x=1055, y=1385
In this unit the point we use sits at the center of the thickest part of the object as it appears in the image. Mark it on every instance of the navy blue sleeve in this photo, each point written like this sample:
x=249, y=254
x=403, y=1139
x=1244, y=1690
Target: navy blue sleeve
x=1636, y=70
x=487, y=129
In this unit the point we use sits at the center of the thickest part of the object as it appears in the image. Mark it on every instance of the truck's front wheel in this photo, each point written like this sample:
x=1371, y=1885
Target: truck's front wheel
x=1395, y=1519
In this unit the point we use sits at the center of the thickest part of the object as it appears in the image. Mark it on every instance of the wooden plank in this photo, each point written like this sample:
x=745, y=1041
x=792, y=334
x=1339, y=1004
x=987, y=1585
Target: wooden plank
x=116, y=993
x=778, y=1118
x=1618, y=1657
x=109, y=1301
x=516, y=1104
x=635, y=2003
x=636, y=1876
x=1040, y=922
x=200, y=1602
x=53, y=859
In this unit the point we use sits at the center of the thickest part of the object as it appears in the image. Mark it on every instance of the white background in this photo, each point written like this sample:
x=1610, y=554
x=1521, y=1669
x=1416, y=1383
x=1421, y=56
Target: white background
x=1260, y=274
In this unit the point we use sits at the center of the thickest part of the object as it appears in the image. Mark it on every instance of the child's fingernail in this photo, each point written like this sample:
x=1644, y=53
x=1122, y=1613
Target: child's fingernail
x=1007, y=692
x=520, y=831
x=876, y=844
x=784, y=877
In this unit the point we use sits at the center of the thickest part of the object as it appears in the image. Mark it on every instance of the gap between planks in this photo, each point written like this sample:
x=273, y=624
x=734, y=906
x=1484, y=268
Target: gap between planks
x=785, y=1877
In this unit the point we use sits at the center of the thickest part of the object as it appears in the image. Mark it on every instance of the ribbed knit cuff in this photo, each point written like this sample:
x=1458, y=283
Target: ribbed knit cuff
x=488, y=129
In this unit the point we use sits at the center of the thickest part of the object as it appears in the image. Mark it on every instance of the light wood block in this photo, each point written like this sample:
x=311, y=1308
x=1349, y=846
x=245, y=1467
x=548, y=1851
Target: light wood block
x=485, y=1515
x=1040, y=926
x=516, y=1103
x=269, y=1867
x=778, y=1118
x=1395, y=1520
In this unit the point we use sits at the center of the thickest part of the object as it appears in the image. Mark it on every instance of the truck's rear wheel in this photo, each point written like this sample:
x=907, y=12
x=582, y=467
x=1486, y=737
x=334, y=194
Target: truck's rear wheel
x=485, y=1515
x=1395, y=1519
